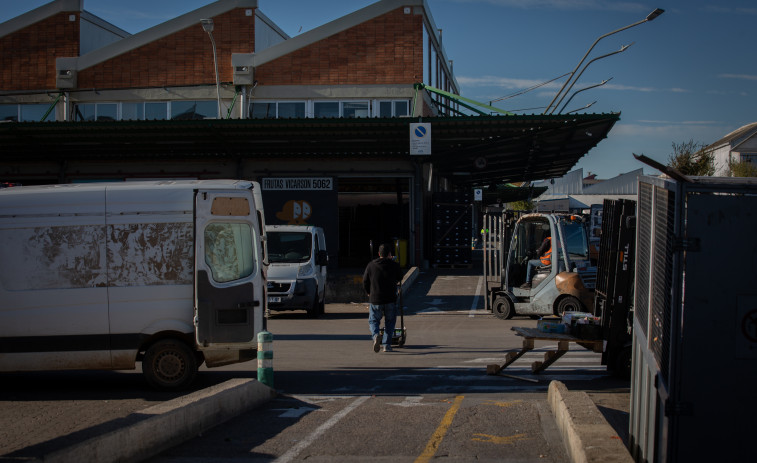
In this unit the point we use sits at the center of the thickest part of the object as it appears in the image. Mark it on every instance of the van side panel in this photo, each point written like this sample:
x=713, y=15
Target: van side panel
x=150, y=250
x=53, y=299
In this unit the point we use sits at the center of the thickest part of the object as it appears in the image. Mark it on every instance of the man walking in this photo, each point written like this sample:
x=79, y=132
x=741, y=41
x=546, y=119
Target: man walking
x=380, y=283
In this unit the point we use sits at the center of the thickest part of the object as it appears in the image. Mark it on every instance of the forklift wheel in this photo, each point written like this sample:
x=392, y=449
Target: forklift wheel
x=503, y=308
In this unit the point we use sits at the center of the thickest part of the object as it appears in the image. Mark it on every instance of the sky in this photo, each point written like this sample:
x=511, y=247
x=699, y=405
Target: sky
x=689, y=75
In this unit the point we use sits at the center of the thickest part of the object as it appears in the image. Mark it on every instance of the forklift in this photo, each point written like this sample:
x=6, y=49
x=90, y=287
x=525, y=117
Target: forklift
x=563, y=284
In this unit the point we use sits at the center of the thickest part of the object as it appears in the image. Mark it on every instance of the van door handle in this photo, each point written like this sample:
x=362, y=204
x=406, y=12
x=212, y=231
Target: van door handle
x=247, y=305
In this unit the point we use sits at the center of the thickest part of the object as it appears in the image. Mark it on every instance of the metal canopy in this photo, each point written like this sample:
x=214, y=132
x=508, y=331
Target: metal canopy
x=472, y=150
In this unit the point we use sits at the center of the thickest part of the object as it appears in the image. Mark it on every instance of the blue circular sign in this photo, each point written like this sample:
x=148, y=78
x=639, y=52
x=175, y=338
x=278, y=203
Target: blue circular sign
x=420, y=131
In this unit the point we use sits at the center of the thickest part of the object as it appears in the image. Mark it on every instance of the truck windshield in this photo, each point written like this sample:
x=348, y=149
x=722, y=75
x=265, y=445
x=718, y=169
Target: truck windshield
x=576, y=240
x=289, y=246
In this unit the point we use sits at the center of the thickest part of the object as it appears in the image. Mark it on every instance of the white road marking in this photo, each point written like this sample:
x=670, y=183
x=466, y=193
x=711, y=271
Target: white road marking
x=475, y=298
x=303, y=444
x=411, y=401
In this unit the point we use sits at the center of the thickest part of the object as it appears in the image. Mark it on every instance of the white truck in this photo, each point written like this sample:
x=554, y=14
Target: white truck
x=298, y=266
x=100, y=276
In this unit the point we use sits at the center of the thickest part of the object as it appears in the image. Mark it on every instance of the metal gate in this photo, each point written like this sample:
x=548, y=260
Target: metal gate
x=694, y=368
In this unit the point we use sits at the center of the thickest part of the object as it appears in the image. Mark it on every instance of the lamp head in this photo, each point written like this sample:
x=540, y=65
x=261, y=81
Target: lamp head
x=207, y=25
x=657, y=12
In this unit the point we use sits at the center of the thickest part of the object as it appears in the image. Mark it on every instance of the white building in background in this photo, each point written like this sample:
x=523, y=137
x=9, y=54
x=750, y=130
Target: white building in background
x=739, y=145
x=573, y=192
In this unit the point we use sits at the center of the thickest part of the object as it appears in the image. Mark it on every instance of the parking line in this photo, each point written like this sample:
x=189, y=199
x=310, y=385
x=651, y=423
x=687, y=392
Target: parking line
x=436, y=438
x=301, y=445
x=475, y=298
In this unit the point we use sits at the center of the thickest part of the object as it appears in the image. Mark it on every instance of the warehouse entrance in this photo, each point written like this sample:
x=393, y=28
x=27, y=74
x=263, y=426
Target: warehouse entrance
x=373, y=210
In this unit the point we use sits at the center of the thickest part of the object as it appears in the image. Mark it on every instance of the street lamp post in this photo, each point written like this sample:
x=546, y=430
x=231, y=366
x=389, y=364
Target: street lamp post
x=207, y=26
x=582, y=90
x=622, y=49
x=657, y=12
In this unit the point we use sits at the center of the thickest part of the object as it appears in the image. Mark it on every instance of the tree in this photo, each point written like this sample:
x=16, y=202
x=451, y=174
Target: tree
x=741, y=168
x=691, y=158
x=523, y=205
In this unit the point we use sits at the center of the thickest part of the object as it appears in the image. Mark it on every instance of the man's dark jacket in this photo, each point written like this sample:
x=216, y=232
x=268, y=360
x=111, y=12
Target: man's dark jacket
x=380, y=280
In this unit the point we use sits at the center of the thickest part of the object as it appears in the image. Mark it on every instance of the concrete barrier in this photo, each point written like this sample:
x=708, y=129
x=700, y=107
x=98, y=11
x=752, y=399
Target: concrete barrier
x=587, y=435
x=168, y=424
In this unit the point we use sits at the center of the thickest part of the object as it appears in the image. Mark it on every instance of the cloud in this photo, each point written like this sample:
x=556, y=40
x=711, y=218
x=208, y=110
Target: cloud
x=730, y=10
x=738, y=76
x=521, y=84
x=502, y=82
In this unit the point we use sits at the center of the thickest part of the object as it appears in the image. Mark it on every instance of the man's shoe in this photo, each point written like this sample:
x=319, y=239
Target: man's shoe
x=388, y=348
x=376, y=343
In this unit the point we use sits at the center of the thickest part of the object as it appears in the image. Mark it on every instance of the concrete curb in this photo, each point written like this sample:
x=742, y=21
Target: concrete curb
x=170, y=423
x=587, y=435
x=409, y=279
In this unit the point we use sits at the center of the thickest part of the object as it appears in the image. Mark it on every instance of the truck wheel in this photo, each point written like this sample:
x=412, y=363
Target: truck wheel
x=503, y=308
x=568, y=304
x=313, y=309
x=169, y=365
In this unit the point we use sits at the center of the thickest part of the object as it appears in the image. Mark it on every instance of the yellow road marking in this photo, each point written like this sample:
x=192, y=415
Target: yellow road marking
x=505, y=440
x=503, y=404
x=436, y=438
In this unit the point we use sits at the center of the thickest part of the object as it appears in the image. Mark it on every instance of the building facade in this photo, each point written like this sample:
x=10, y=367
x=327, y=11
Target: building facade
x=324, y=120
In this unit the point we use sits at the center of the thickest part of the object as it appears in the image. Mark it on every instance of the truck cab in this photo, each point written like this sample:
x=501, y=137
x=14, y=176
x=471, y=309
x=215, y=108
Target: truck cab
x=297, y=268
x=563, y=282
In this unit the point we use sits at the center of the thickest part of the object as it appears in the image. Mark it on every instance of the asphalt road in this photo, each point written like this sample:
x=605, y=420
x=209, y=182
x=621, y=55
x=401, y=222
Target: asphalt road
x=340, y=401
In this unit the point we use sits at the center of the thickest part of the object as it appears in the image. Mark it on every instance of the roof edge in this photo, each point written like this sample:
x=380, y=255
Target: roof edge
x=38, y=14
x=331, y=28
x=159, y=31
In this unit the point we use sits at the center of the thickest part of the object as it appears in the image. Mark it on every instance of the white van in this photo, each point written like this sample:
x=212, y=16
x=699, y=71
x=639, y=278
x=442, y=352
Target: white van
x=99, y=276
x=297, y=271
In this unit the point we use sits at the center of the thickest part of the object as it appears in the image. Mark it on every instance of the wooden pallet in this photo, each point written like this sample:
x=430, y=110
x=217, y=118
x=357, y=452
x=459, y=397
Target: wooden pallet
x=550, y=357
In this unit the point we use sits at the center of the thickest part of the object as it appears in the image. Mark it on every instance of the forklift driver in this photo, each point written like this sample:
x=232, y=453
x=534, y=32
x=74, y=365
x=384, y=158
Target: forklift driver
x=544, y=254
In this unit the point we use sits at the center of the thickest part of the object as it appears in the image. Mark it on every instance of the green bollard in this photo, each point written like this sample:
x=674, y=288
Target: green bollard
x=265, y=358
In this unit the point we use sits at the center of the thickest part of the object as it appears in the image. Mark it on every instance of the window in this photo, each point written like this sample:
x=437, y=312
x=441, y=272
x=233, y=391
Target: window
x=281, y=110
x=34, y=112
x=355, y=109
x=190, y=110
x=96, y=112
x=263, y=110
x=291, y=110
x=289, y=246
x=326, y=109
x=156, y=111
x=132, y=111
x=9, y=112
x=229, y=251
x=393, y=108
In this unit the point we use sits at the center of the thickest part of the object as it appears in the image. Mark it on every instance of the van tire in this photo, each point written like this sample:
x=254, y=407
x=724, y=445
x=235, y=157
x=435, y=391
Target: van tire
x=314, y=308
x=169, y=364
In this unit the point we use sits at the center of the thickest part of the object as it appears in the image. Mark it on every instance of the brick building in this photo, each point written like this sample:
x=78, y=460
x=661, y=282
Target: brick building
x=322, y=120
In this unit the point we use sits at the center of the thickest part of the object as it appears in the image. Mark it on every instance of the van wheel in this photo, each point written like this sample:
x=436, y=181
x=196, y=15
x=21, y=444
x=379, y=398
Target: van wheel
x=568, y=304
x=314, y=308
x=169, y=365
x=503, y=308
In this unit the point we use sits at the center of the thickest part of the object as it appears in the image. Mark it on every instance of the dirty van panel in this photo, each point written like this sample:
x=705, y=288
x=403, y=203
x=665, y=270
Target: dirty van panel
x=147, y=254
x=53, y=258
x=227, y=303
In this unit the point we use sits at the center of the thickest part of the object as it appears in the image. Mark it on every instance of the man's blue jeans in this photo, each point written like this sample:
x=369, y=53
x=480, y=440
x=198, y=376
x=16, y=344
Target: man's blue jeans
x=389, y=312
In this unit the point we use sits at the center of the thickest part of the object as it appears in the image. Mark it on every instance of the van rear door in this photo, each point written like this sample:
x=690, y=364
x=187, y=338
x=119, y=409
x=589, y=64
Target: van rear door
x=228, y=281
